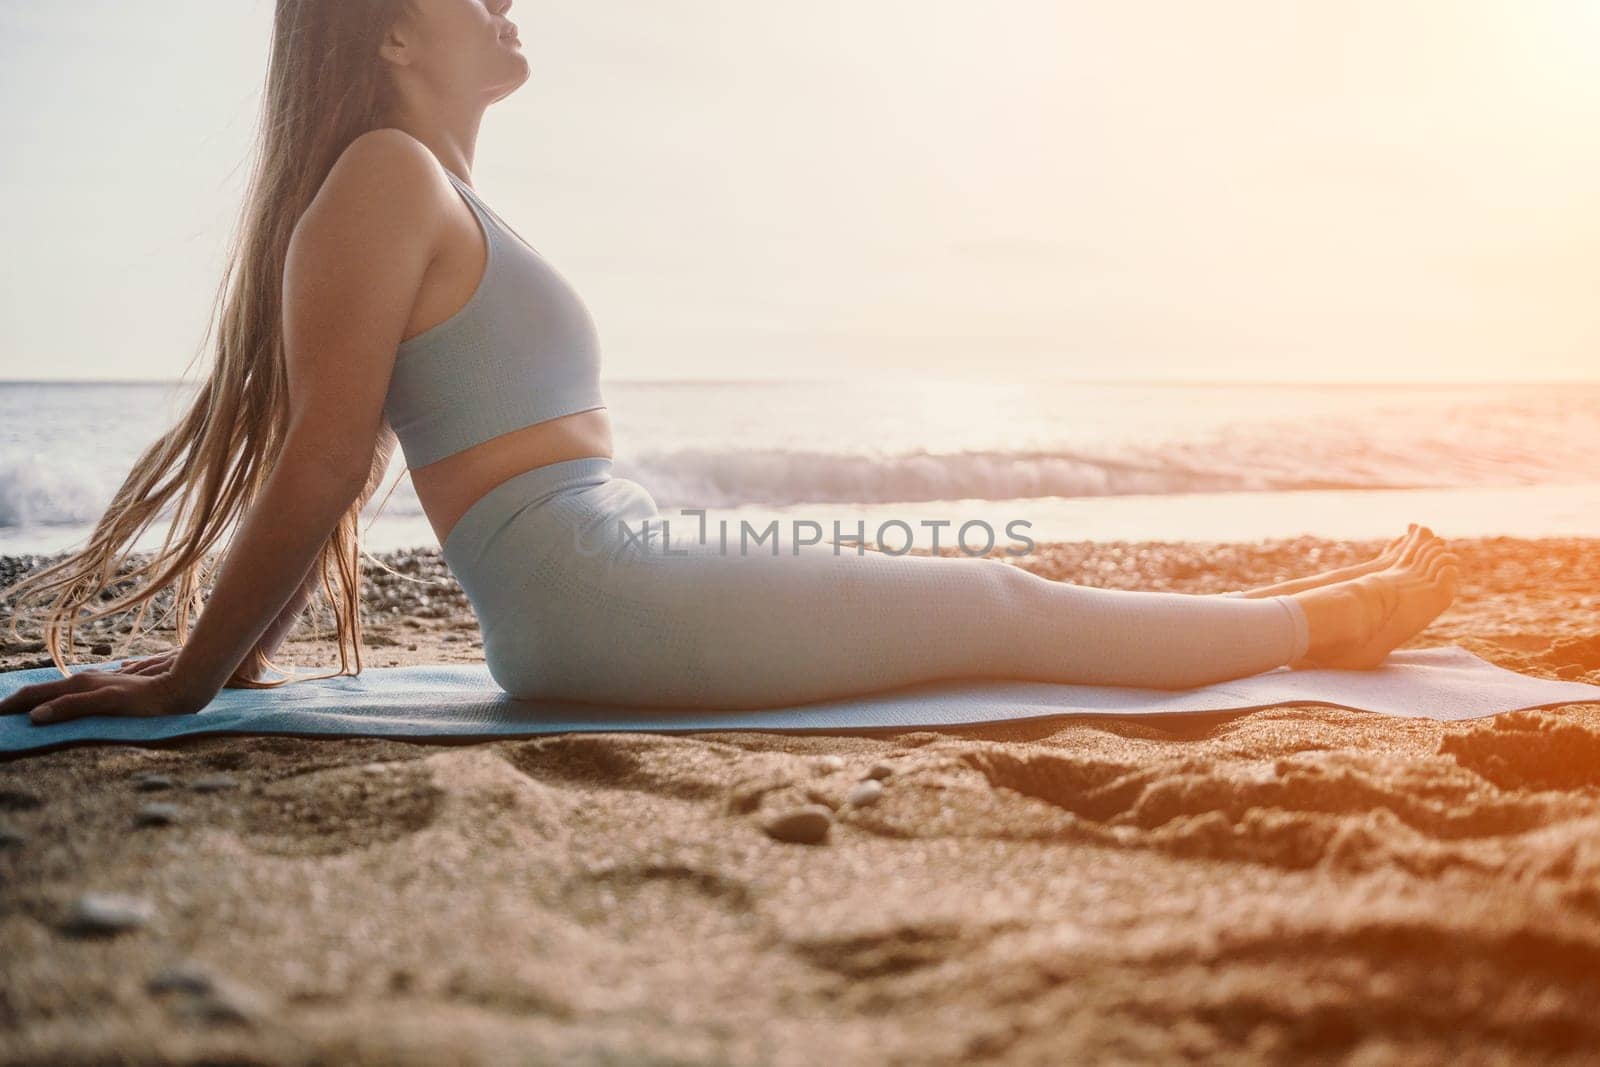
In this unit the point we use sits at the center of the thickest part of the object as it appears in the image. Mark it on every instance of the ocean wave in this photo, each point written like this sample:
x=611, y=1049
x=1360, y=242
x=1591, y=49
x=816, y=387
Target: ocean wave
x=34, y=492
x=41, y=491
x=731, y=479
x=710, y=478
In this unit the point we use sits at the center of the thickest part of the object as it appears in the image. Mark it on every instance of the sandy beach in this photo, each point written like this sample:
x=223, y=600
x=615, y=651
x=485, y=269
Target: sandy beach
x=1297, y=882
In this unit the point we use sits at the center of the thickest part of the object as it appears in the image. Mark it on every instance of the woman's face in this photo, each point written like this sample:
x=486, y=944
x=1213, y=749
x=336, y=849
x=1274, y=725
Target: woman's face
x=461, y=46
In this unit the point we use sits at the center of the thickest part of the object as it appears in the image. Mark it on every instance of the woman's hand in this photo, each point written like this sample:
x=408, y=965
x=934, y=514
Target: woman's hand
x=253, y=669
x=103, y=692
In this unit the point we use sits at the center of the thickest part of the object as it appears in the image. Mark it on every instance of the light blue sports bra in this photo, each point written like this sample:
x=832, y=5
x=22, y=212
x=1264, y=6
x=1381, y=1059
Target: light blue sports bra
x=522, y=350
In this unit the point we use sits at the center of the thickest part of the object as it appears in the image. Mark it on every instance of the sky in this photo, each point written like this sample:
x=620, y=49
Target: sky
x=1368, y=190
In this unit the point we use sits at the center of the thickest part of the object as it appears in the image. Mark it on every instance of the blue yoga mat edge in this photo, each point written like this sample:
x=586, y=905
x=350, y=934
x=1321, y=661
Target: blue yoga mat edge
x=458, y=703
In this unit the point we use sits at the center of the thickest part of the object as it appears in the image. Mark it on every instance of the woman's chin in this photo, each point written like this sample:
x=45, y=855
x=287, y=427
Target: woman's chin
x=515, y=79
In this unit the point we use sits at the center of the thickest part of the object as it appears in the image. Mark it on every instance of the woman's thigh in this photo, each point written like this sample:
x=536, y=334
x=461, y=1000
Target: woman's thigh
x=702, y=626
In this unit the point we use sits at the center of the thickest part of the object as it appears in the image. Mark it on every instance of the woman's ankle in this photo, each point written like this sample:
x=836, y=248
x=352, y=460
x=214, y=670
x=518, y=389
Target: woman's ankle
x=1335, y=617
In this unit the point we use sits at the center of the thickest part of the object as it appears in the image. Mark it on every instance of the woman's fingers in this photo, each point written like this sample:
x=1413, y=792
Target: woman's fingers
x=102, y=692
x=148, y=665
x=71, y=706
x=110, y=694
x=31, y=696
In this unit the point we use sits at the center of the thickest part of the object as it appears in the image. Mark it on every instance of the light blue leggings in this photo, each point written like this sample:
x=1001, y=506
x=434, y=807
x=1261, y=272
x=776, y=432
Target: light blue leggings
x=578, y=600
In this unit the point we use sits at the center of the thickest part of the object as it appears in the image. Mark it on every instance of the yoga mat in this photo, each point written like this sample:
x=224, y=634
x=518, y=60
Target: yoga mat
x=461, y=702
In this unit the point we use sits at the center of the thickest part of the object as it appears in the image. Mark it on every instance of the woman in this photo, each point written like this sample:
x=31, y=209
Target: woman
x=374, y=298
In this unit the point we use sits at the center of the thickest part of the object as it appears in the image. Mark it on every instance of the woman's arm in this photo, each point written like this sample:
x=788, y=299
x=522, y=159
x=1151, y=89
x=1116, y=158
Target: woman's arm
x=285, y=623
x=254, y=667
x=355, y=264
x=354, y=267
x=271, y=550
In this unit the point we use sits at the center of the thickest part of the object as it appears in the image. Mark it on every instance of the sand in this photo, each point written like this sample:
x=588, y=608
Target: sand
x=1291, y=883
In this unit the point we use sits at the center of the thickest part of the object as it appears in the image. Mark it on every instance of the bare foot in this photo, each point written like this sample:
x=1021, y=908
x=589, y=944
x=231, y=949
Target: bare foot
x=1356, y=624
x=1414, y=537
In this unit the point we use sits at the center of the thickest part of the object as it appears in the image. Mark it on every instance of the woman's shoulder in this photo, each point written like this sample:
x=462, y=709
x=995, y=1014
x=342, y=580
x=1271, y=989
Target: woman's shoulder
x=386, y=160
x=385, y=186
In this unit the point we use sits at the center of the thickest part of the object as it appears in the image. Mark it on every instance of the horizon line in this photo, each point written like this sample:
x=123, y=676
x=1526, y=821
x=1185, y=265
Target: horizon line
x=993, y=378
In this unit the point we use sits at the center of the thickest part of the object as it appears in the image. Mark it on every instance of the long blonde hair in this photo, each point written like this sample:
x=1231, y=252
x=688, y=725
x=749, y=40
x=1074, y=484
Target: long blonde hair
x=325, y=86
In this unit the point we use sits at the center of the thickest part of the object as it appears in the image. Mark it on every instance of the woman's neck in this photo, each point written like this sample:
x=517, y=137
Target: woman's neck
x=452, y=138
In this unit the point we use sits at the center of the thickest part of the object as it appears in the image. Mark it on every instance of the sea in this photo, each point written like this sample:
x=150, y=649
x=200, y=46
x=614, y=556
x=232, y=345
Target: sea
x=1070, y=461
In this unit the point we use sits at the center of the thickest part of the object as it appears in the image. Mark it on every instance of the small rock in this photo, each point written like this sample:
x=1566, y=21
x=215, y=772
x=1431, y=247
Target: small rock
x=183, y=977
x=100, y=648
x=214, y=783
x=805, y=825
x=19, y=800
x=104, y=914
x=157, y=814
x=830, y=764
x=865, y=793
x=880, y=771
x=10, y=838
x=230, y=1007
x=152, y=783
x=206, y=1000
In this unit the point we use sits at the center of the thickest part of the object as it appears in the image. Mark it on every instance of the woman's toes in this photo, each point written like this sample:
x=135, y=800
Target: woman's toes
x=1409, y=555
x=1441, y=562
x=1449, y=579
x=1445, y=570
x=1414, y=548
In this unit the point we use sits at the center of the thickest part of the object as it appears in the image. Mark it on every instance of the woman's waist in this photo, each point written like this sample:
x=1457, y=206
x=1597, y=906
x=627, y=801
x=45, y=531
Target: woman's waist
x=449, y=488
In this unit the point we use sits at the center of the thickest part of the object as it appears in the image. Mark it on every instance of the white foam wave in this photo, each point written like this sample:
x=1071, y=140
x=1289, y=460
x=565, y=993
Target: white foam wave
x=36, y=490
x=730, y=479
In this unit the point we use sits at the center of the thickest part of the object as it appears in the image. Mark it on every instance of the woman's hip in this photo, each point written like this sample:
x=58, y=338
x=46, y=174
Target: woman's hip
x=536, y=525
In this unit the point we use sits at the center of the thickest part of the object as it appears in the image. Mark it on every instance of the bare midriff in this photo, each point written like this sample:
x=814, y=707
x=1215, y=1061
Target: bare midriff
x=450, y=486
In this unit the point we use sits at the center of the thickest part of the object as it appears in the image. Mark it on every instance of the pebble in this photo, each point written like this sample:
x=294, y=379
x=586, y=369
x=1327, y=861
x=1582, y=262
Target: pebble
x=100, y=914
x=158, y=814
x=183, y=977
x=230, y=1006
x=19, y=800
x=206, y=999
x=214, y=783
x=424, y=587
x=100, y=648
x=831, y=763
x=880, y=771
x=152, y=783
x=805, y=825
x=865, y=793
x=10, y=838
